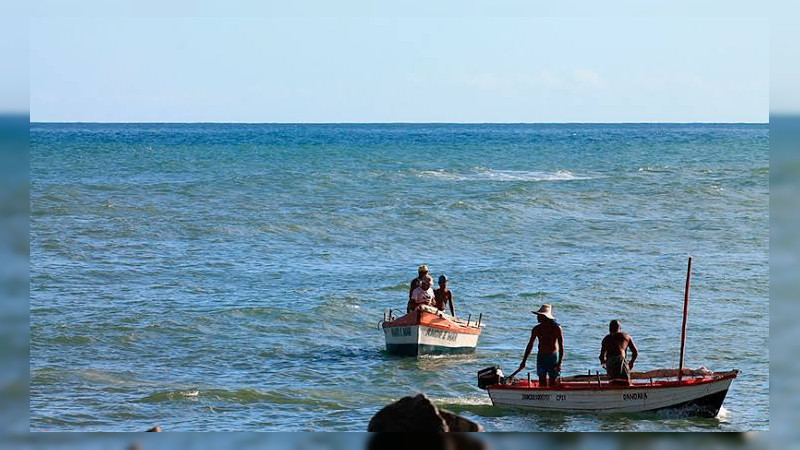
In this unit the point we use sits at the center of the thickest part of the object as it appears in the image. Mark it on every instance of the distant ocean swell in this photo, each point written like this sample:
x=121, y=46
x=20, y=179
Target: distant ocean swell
x=232, y=277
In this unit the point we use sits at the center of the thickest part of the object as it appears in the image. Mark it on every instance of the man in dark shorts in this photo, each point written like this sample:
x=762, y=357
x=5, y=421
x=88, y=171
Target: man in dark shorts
x=613, y=352
x=551, y=347
x=443, y=296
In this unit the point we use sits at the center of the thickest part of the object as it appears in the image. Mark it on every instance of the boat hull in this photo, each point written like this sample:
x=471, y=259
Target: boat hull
x=418, y=340
x=696, y=397
x=429, y=332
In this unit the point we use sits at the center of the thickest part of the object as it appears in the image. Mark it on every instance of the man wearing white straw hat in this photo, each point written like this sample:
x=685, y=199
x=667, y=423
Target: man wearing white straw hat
x=551, y=347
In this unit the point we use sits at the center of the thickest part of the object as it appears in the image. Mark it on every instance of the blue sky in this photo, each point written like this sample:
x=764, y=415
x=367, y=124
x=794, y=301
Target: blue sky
x=400, y=69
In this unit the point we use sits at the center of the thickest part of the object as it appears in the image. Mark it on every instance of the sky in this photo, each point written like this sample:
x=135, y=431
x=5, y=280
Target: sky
x=399, y=68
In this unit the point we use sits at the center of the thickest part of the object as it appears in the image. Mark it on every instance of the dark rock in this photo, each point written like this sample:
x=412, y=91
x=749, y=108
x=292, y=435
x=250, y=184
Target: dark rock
x=456, y=423
x=408, y=414
x=418, y=414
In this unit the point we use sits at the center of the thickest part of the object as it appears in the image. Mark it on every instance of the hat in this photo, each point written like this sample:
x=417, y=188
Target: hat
x=423, y=268
x=427, y=278
x=442, y=278
x=545, y=311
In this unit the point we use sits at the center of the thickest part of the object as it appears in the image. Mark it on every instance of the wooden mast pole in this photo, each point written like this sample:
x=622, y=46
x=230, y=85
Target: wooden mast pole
x=685, y=316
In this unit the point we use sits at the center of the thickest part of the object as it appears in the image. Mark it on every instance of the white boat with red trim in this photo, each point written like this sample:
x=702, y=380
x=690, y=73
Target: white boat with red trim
x=429, y=331
x=696, y=392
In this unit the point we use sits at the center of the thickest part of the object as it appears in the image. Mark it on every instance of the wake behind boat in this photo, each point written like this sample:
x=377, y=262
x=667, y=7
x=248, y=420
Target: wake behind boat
x=429, y=331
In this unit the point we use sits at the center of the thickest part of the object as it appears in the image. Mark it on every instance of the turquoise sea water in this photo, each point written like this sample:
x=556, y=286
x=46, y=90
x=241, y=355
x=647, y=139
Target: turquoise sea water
x=232, y=277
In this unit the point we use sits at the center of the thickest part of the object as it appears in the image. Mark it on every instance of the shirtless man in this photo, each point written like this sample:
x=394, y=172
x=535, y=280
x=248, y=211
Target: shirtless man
x=551, y=347
x=613, y=354
x=443, y=296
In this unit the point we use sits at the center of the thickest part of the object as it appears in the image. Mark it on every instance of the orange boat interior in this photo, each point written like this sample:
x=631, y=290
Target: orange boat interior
x=430, y=319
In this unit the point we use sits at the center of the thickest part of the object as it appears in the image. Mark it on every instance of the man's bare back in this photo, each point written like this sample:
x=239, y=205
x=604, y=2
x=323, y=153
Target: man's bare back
x=613, y=353
x=616, y=343
x=548, y=334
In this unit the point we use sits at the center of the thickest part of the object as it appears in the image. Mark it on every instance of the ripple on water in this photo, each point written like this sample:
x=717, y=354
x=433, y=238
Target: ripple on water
x=207, y=297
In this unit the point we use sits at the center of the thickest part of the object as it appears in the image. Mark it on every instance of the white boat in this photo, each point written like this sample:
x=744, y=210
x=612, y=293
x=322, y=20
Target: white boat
x=428, y=331
x=693, y=392
x=698, y=393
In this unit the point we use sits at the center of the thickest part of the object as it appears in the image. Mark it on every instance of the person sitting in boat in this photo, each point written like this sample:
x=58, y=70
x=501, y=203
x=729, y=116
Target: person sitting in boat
x=423, y=295
x=422, y=272
x=551, y=347
x=613, y=352
x=443, y=296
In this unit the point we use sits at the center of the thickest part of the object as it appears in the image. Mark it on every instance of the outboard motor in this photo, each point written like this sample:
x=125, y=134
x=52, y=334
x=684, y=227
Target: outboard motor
x=489, y=376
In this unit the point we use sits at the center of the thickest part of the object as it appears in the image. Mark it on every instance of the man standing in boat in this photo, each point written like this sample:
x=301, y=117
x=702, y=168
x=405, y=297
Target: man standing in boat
x=613, y=352
x=443, y=296
x=551, y=347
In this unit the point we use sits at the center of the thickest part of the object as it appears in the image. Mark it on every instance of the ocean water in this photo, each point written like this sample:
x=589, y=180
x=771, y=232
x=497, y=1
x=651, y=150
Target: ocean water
x=232, y=277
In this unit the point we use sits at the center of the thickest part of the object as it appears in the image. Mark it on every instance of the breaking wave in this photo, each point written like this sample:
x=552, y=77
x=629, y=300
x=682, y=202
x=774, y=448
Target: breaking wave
x=656, y=169
x=240, y=396
x=503, y=175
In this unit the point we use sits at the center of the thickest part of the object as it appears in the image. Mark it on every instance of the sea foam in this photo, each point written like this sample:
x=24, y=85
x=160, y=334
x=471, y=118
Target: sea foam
x=504, y=175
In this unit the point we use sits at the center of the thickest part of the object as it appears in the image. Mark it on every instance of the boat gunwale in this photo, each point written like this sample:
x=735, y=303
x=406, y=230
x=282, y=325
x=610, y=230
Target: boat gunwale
x=454, y=328
x=592, y=386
